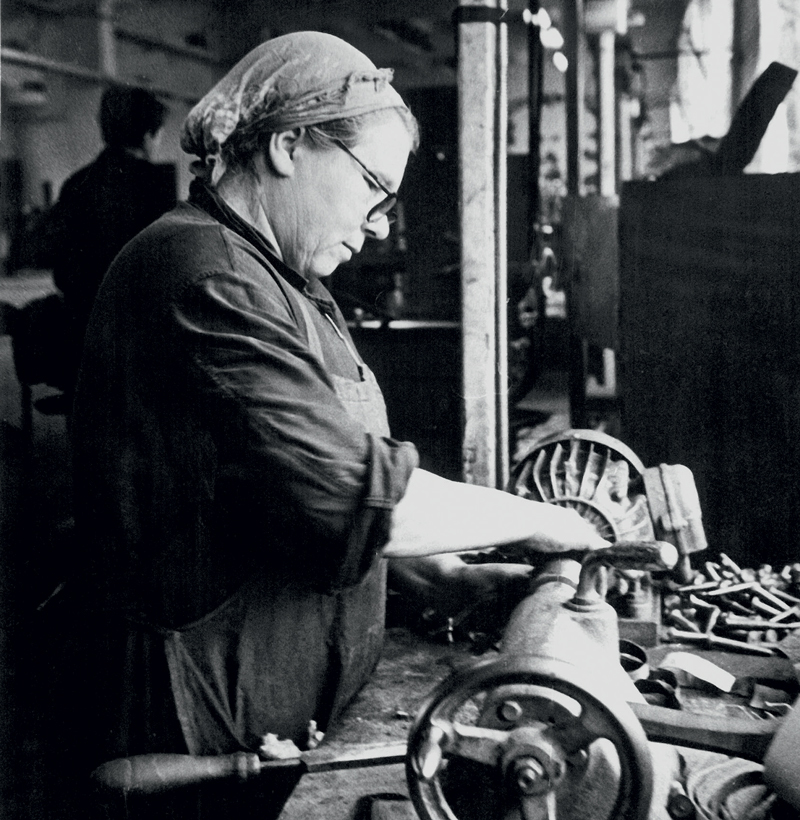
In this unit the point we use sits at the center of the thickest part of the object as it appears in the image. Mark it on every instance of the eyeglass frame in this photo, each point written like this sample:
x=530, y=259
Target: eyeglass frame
x=384, y=207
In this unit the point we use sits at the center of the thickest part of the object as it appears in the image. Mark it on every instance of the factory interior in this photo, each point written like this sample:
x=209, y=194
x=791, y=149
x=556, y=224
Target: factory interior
x=588, y=299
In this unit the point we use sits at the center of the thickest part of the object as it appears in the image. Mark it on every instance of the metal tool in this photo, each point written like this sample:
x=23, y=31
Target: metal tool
x=153, y=773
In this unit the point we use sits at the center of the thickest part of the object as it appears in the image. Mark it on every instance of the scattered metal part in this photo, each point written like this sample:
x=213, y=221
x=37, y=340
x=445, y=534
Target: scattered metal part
x=729, y=589
x=754, y=609
x=713, y=617
x=736, y=606
x=739, y=622
x=766, y=609
x=730, y=564
x=700, y=603
x=794, y=612
x=700, y=586
x=677, y=618
x=785, y=596
x=770, y=598
x=716, y=642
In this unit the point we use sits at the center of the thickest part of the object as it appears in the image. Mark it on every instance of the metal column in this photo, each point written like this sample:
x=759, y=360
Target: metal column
x=535, y=94
x=608, y=112
x=106, y=37
x=576, y=117
x=482, y=112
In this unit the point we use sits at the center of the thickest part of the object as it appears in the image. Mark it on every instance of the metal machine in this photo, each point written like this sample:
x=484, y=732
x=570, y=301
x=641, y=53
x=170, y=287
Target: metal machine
x=533, y=717
x=523, y=735
x=605, y=481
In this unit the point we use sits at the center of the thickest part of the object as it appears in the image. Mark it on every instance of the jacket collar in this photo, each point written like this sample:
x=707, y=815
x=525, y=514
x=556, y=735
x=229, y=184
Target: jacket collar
x=206, y=198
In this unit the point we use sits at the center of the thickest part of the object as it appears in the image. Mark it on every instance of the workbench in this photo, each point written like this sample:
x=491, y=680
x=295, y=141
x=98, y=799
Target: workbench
x=408, y=671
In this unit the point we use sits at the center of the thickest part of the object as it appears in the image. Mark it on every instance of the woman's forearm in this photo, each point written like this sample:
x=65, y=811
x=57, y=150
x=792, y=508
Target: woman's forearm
x=437, y=515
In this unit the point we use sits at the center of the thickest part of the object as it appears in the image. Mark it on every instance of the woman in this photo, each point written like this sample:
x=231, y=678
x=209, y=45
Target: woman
x=237, y=487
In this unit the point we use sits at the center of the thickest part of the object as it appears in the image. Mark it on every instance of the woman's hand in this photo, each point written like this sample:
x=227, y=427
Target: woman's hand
x=562, y=529
x=447, y=584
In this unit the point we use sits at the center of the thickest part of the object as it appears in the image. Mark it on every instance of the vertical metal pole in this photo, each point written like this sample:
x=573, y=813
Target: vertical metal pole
x=535, y=90
x=576, y=93
x=608, y=113
x=625, y=144
x=482, y=58
x=535, y=217
x=106, y=37
x=576, y=127
x=608, y=154
x=501, y=252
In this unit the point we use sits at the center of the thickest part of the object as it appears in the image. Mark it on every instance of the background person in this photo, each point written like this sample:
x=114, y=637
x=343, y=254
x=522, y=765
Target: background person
x=101, y=207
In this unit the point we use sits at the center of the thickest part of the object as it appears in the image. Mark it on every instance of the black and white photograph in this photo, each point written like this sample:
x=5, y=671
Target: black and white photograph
x=399, y=410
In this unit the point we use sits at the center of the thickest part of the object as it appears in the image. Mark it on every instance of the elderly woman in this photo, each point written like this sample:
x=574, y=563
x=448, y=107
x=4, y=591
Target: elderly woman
x=238, y=491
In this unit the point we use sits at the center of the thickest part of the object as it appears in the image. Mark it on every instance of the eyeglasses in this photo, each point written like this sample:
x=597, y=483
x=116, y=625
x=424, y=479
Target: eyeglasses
x=385, y=206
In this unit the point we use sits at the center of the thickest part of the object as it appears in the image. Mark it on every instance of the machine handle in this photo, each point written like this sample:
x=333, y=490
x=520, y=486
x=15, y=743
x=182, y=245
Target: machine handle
x=648, y=556
x=152, y=773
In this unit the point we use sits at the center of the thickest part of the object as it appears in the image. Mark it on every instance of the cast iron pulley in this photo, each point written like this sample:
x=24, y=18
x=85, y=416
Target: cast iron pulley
x=522, y=730
x=593, y=473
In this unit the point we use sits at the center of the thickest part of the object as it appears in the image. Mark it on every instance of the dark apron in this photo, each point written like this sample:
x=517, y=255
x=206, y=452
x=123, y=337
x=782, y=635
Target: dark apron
x=277, y=654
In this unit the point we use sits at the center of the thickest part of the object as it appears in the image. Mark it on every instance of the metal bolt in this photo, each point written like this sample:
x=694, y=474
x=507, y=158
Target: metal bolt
x=510, y=711
x=579, y=759
x=531, y=776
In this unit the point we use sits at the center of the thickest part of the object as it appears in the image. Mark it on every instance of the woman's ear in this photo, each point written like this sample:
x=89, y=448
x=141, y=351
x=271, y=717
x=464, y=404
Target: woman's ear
x=281, y=151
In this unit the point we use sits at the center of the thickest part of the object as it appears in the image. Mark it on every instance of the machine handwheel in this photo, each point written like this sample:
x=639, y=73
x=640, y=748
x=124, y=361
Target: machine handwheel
x=549, y=716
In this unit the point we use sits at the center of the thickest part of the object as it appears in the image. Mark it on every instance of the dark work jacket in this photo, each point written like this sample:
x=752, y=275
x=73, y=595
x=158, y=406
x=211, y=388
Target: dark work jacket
x=234, y=484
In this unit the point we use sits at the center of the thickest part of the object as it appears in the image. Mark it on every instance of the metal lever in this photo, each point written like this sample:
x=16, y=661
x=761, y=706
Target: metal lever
x=648, y=556
x=740, y=737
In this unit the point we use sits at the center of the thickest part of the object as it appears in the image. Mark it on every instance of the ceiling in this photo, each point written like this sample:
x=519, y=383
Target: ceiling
x=417, y=37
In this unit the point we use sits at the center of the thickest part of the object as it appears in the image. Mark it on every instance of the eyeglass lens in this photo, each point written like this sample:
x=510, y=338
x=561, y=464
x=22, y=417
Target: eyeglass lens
x=384, y=208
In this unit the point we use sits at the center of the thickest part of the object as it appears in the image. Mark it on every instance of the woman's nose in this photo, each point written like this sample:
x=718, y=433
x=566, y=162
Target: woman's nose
x=379, y=229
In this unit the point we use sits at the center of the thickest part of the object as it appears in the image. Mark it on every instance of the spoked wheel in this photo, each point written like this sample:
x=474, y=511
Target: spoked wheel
x=523, y=728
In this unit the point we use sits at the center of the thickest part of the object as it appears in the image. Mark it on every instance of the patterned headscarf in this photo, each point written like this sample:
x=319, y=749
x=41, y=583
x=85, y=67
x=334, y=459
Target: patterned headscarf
x=299, y=79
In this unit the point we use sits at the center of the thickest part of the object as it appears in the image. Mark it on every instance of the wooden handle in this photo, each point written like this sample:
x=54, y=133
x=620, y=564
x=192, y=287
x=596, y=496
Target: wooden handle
x=152, y=773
